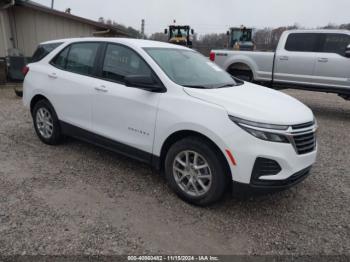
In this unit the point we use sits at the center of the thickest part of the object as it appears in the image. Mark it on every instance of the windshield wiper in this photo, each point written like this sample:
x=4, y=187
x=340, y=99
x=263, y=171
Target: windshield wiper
x=227, y=85
x=197, y=86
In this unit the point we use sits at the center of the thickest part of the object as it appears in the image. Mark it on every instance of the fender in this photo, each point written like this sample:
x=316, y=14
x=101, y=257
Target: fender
x=244, y=60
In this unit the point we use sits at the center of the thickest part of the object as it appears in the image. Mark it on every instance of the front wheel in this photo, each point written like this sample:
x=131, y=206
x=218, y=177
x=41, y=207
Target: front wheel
x=345, y=97
x=195, y=172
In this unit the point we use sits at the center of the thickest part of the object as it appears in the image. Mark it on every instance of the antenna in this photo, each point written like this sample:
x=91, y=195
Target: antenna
x=143, y=28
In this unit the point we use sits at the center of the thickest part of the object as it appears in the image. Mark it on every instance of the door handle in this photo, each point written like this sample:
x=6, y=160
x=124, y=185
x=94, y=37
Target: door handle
x=101, y=89
x=53, y=75
x=323, y=60
x=284, y=58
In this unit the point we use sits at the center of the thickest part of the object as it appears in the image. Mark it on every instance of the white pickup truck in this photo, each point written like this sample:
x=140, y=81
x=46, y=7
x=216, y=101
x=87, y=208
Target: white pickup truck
x=316, y=60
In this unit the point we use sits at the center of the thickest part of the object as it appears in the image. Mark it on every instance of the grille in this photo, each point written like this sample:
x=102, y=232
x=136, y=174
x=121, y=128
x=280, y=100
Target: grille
x=305, y=125
x=305, y=143
x=304, y=138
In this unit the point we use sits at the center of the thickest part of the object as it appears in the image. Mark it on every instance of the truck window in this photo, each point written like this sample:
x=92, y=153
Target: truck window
x=43, y=50
x=336, y=43
x=301, y=42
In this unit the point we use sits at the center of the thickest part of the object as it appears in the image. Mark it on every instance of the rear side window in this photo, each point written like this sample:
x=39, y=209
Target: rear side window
x=77, y=58
x=43, y=50
x=302, y=42
x=81, y=58
x=335, y=43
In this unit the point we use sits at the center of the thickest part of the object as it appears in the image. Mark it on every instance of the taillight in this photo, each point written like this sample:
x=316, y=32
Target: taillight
x=25, y=70
x=212, y=56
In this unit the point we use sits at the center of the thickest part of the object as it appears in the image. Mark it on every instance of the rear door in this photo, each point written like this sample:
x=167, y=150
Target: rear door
x=295, y=62
x=332, y=66
x=71, y=83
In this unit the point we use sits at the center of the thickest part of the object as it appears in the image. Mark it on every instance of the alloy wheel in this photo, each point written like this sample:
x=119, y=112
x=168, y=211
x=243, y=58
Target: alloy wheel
x=192, y=173
x=44, y=122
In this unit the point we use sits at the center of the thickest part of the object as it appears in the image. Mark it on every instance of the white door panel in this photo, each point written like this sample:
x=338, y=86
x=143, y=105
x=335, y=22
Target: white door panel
x=73, y=94
x=332, y=70
x=294, y=67
x=125, y=114
x=71, y=84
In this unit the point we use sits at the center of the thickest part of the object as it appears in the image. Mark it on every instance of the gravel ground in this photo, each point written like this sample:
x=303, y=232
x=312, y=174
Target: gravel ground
x=80, y=199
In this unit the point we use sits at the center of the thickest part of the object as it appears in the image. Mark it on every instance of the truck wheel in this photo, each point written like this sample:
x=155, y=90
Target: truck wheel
x=46, y=123
x=195, y=172
x=244, y=75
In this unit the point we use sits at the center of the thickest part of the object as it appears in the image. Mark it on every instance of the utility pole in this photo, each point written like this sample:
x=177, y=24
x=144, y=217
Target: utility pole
x=143, y=28
x=52, y=3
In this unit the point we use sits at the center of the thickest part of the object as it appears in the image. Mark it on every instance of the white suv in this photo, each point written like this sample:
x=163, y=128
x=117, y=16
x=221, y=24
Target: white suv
x=172, y=108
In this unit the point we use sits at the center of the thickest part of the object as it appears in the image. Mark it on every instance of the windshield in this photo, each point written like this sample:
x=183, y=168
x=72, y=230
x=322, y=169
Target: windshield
x=189, y=68
x=178, y=32
x=241, y=36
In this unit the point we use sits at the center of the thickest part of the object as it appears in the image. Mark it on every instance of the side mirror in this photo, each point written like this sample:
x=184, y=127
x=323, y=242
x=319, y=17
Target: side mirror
x=192, y=31
x=228, y=33
x=145, y=82
x=166, y=31
x=347, y=51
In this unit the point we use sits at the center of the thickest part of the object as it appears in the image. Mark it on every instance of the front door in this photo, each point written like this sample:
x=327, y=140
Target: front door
x=124, y=114
x=295, y=62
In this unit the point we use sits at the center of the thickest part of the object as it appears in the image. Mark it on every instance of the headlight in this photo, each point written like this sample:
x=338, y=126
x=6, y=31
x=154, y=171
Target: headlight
x=253, y=129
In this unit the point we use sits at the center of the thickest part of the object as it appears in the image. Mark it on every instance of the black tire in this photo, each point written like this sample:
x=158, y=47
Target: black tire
x=19, y=93
x=244, y=75
x=56, y=136
x=345, y=97
x=220, y=178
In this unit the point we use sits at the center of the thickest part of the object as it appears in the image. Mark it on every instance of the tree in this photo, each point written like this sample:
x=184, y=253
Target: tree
x=159, y=37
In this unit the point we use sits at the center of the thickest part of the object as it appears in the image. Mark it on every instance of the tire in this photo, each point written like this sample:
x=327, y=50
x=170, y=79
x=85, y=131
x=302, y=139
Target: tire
x=45, y=118
x=187, y=148
x=19, y=93
x=345, y=97
x=244, y=75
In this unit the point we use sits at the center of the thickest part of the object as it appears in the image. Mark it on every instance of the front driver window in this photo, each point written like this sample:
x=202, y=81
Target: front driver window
x=121, y=61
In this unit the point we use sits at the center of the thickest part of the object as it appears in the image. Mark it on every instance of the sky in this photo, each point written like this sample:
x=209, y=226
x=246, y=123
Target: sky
x=210, y=16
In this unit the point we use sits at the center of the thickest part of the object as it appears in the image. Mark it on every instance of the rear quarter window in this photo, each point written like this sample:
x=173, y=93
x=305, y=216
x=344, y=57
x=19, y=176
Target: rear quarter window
x=43, y=50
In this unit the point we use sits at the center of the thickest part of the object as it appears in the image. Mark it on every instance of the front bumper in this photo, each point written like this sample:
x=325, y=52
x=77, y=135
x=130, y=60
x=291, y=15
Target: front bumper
x=247, y=149
x=269, y=186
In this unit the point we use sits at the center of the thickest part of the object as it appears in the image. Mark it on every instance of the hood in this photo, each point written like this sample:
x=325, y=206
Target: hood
x=256, y=103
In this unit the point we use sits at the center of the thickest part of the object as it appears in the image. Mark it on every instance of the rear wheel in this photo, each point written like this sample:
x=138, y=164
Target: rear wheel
x=46, y=123
x=244, y=75
x=194, y=171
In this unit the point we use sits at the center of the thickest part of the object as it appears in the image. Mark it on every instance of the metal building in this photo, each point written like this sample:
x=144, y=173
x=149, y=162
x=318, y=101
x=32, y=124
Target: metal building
x=24, y=24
